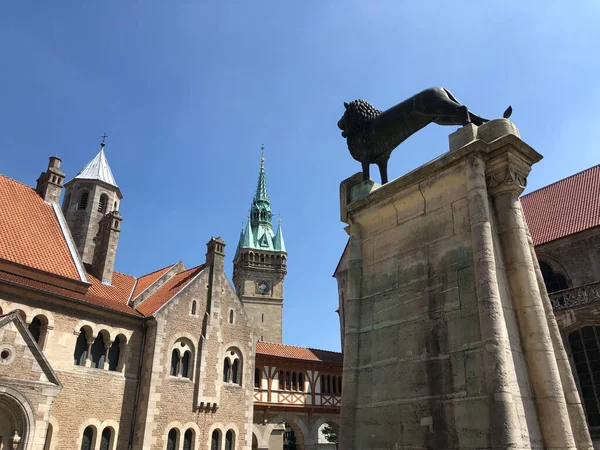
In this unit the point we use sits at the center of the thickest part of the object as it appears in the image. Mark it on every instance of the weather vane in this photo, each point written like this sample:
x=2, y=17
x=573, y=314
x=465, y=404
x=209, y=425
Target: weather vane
x=104, y=136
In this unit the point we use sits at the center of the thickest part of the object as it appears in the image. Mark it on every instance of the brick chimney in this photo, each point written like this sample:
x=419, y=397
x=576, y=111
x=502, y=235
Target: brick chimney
x=105, y=249
x=215, y=254
x=50, y=183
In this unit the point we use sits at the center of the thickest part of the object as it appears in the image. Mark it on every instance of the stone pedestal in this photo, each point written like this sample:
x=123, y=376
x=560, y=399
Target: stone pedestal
x=449, y=341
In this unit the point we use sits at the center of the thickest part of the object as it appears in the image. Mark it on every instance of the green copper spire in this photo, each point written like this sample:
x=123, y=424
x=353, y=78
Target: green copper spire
x=278, y=239
x=258, y=233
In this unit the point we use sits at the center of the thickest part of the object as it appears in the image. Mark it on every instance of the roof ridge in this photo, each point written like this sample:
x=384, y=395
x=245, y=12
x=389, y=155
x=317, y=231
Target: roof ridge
x=170, y=266
x=560, y=181
x=298, y=346
x=17, y=181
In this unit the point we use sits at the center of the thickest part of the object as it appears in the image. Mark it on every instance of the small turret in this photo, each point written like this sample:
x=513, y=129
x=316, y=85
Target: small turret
x=50, y=183
x=215, y=253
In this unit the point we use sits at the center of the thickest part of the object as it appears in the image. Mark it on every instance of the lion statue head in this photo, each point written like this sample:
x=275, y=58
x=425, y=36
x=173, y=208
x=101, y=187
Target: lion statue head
x=355, y=124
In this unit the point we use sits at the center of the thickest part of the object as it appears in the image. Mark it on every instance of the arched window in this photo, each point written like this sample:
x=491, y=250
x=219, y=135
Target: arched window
x=585, y=349
x=98, y=351
x=115, y=206
x=333, y=385
x=234, y=371
x=214, y=440
x=80, y=353
x=87, y=439
x=35, y=329
x=106, y=438
x=288, y=382
x=193, y=307
x=553, y=281
x=113, y=354
x=226, y=370
x=102, y=203
x=300, y=382
x=233, y=366
x=48, y=440
x=281, y=381
x=322, y=384
x=185, y=364
x=257, y=378
x=294, y=382
x=328, y=384
x=188, y=440
x=172, y=439
x=83, y=200
x=229, y=440
x=174, y=363
x=231, y=316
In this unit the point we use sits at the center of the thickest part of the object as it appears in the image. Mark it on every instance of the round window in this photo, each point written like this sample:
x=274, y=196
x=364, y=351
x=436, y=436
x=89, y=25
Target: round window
x=5, y=354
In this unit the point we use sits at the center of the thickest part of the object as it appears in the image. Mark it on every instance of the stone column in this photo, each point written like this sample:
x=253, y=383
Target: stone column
x=574, y=406
x=88, y=359
x=351, y=340
x=499, y=371
x=507, y=170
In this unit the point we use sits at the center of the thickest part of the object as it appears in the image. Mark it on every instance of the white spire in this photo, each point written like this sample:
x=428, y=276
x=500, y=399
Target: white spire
x=98, y=169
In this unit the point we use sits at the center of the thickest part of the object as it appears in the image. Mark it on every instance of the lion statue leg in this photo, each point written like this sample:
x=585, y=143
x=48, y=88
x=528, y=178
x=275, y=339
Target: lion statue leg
x=382, y=164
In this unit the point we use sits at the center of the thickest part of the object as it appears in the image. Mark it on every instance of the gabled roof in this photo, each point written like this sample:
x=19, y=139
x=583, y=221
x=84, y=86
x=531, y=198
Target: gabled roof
x=566, y=207
x=168, y=290
x=292, y=351
x=30, y=234
x=41, y=360
x=98, y=169
x=145, y=281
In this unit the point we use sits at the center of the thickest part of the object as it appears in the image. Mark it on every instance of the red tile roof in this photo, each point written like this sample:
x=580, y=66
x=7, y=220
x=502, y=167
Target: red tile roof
x=166, y=292
x=30, y=234
x=565, y=207
x=145, y=281
x=111, y=297
x=291, y=351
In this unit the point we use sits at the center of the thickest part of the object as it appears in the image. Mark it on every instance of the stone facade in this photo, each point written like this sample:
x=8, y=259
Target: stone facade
x=449, y=336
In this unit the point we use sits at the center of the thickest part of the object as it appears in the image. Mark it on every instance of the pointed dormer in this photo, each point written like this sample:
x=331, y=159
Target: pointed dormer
x=259, y=266
x=89, y=196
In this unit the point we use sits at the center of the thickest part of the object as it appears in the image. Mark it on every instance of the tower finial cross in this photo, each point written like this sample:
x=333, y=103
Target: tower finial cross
x=104, y=136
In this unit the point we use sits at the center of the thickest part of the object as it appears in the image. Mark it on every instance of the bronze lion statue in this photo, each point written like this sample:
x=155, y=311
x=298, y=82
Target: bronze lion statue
x=372, y=135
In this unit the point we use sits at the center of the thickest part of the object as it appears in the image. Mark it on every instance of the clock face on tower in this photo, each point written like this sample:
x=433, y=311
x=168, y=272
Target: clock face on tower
x=263, y=286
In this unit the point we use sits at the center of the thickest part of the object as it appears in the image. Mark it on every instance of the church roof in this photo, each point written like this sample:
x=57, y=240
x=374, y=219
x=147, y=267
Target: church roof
x=30, y=233
x=98, y=169
x=563, y=208
x=168, y=290
x=292, y=351
x=145, y=281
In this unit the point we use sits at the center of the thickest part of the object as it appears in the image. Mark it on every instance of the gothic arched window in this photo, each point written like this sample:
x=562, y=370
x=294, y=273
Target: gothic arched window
x=35, y=329
x=300, y=382
x=226, y=370
x=193, y=307
x=554, y=281
x=233, y=366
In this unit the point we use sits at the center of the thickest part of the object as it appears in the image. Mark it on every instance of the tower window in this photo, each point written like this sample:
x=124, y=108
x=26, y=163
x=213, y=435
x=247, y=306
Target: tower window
x=102, y=203
x=83, y=200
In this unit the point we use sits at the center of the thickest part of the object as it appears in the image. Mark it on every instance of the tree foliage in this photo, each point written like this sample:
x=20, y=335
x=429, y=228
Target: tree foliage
x=330, y=434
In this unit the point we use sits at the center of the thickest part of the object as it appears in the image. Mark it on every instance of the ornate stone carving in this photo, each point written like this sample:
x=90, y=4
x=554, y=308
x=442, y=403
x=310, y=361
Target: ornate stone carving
x=581, y=295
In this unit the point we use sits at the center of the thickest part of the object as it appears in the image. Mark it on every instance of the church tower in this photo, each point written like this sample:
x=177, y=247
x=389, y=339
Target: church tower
x=89, y=197
x=259, y=266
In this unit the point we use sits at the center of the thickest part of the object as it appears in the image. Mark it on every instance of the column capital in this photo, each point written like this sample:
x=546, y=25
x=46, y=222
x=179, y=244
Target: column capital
x=508, y=164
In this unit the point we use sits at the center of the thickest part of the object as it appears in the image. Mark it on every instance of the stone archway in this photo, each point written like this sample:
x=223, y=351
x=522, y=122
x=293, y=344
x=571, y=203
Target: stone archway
x=15, y=423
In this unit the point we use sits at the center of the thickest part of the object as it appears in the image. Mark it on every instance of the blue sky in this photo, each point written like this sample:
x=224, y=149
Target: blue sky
x=187, y=92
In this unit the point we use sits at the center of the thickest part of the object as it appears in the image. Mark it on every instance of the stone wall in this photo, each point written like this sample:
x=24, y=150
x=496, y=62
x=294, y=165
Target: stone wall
x=448, y=342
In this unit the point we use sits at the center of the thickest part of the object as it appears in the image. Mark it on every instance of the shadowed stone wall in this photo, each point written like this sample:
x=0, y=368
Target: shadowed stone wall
x=448, y=340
